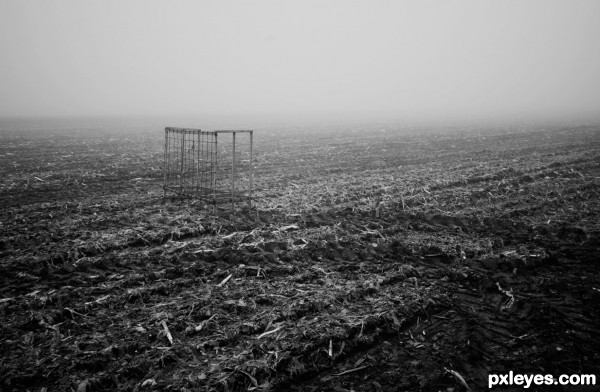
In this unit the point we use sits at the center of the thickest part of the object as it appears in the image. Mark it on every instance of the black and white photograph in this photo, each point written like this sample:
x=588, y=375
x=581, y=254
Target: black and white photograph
x=299, y=195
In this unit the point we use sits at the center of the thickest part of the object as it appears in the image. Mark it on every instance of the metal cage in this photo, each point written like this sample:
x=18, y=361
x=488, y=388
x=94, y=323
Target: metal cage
x=200, y=164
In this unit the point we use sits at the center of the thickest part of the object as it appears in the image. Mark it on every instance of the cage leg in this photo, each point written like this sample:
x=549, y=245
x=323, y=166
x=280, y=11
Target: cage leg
x=233, y=176
x=250, y=186
x=215, y=166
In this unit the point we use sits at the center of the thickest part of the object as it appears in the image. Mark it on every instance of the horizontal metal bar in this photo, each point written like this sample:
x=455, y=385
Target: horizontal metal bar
x=196, y=131
x=186, y=130
x=232, y=131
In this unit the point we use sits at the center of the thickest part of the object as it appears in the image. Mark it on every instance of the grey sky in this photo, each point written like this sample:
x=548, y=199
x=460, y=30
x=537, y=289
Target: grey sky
x=410, y=59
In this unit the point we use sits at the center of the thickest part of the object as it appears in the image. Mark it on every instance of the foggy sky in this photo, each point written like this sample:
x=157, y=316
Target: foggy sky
x=405, y=59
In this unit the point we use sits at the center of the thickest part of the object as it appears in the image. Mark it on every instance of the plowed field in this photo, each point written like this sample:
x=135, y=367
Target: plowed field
x=371, y=260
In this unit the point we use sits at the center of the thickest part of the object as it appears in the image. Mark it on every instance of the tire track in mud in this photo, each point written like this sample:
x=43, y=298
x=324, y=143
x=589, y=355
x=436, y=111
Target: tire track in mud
x=485, y=328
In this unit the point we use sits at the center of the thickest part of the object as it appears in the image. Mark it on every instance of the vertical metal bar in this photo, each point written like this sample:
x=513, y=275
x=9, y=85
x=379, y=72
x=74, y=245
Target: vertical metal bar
x=208, y=166
x=233, y=175
x=196, y=161
x=175, y=157
x=182, y=181
x=204, y=164
x=250, y=190
x=201, y=162
x=188, y=178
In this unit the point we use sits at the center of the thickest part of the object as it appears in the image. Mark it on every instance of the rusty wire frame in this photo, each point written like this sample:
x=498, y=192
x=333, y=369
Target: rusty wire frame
x=194, y=167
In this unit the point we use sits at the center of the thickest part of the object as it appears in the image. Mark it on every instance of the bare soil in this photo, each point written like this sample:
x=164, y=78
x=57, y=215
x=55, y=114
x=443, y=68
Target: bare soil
x=371, y=260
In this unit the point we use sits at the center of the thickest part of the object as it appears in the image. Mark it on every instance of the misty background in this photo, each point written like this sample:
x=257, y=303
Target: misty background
x=402, y=60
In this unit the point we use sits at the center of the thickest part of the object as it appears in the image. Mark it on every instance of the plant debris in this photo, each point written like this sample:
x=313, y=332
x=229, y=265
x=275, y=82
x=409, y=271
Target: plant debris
x=368, y=261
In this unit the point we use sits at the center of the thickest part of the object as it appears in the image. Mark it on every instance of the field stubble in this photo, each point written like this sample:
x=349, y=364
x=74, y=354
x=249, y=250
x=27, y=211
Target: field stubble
x=370, y=260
